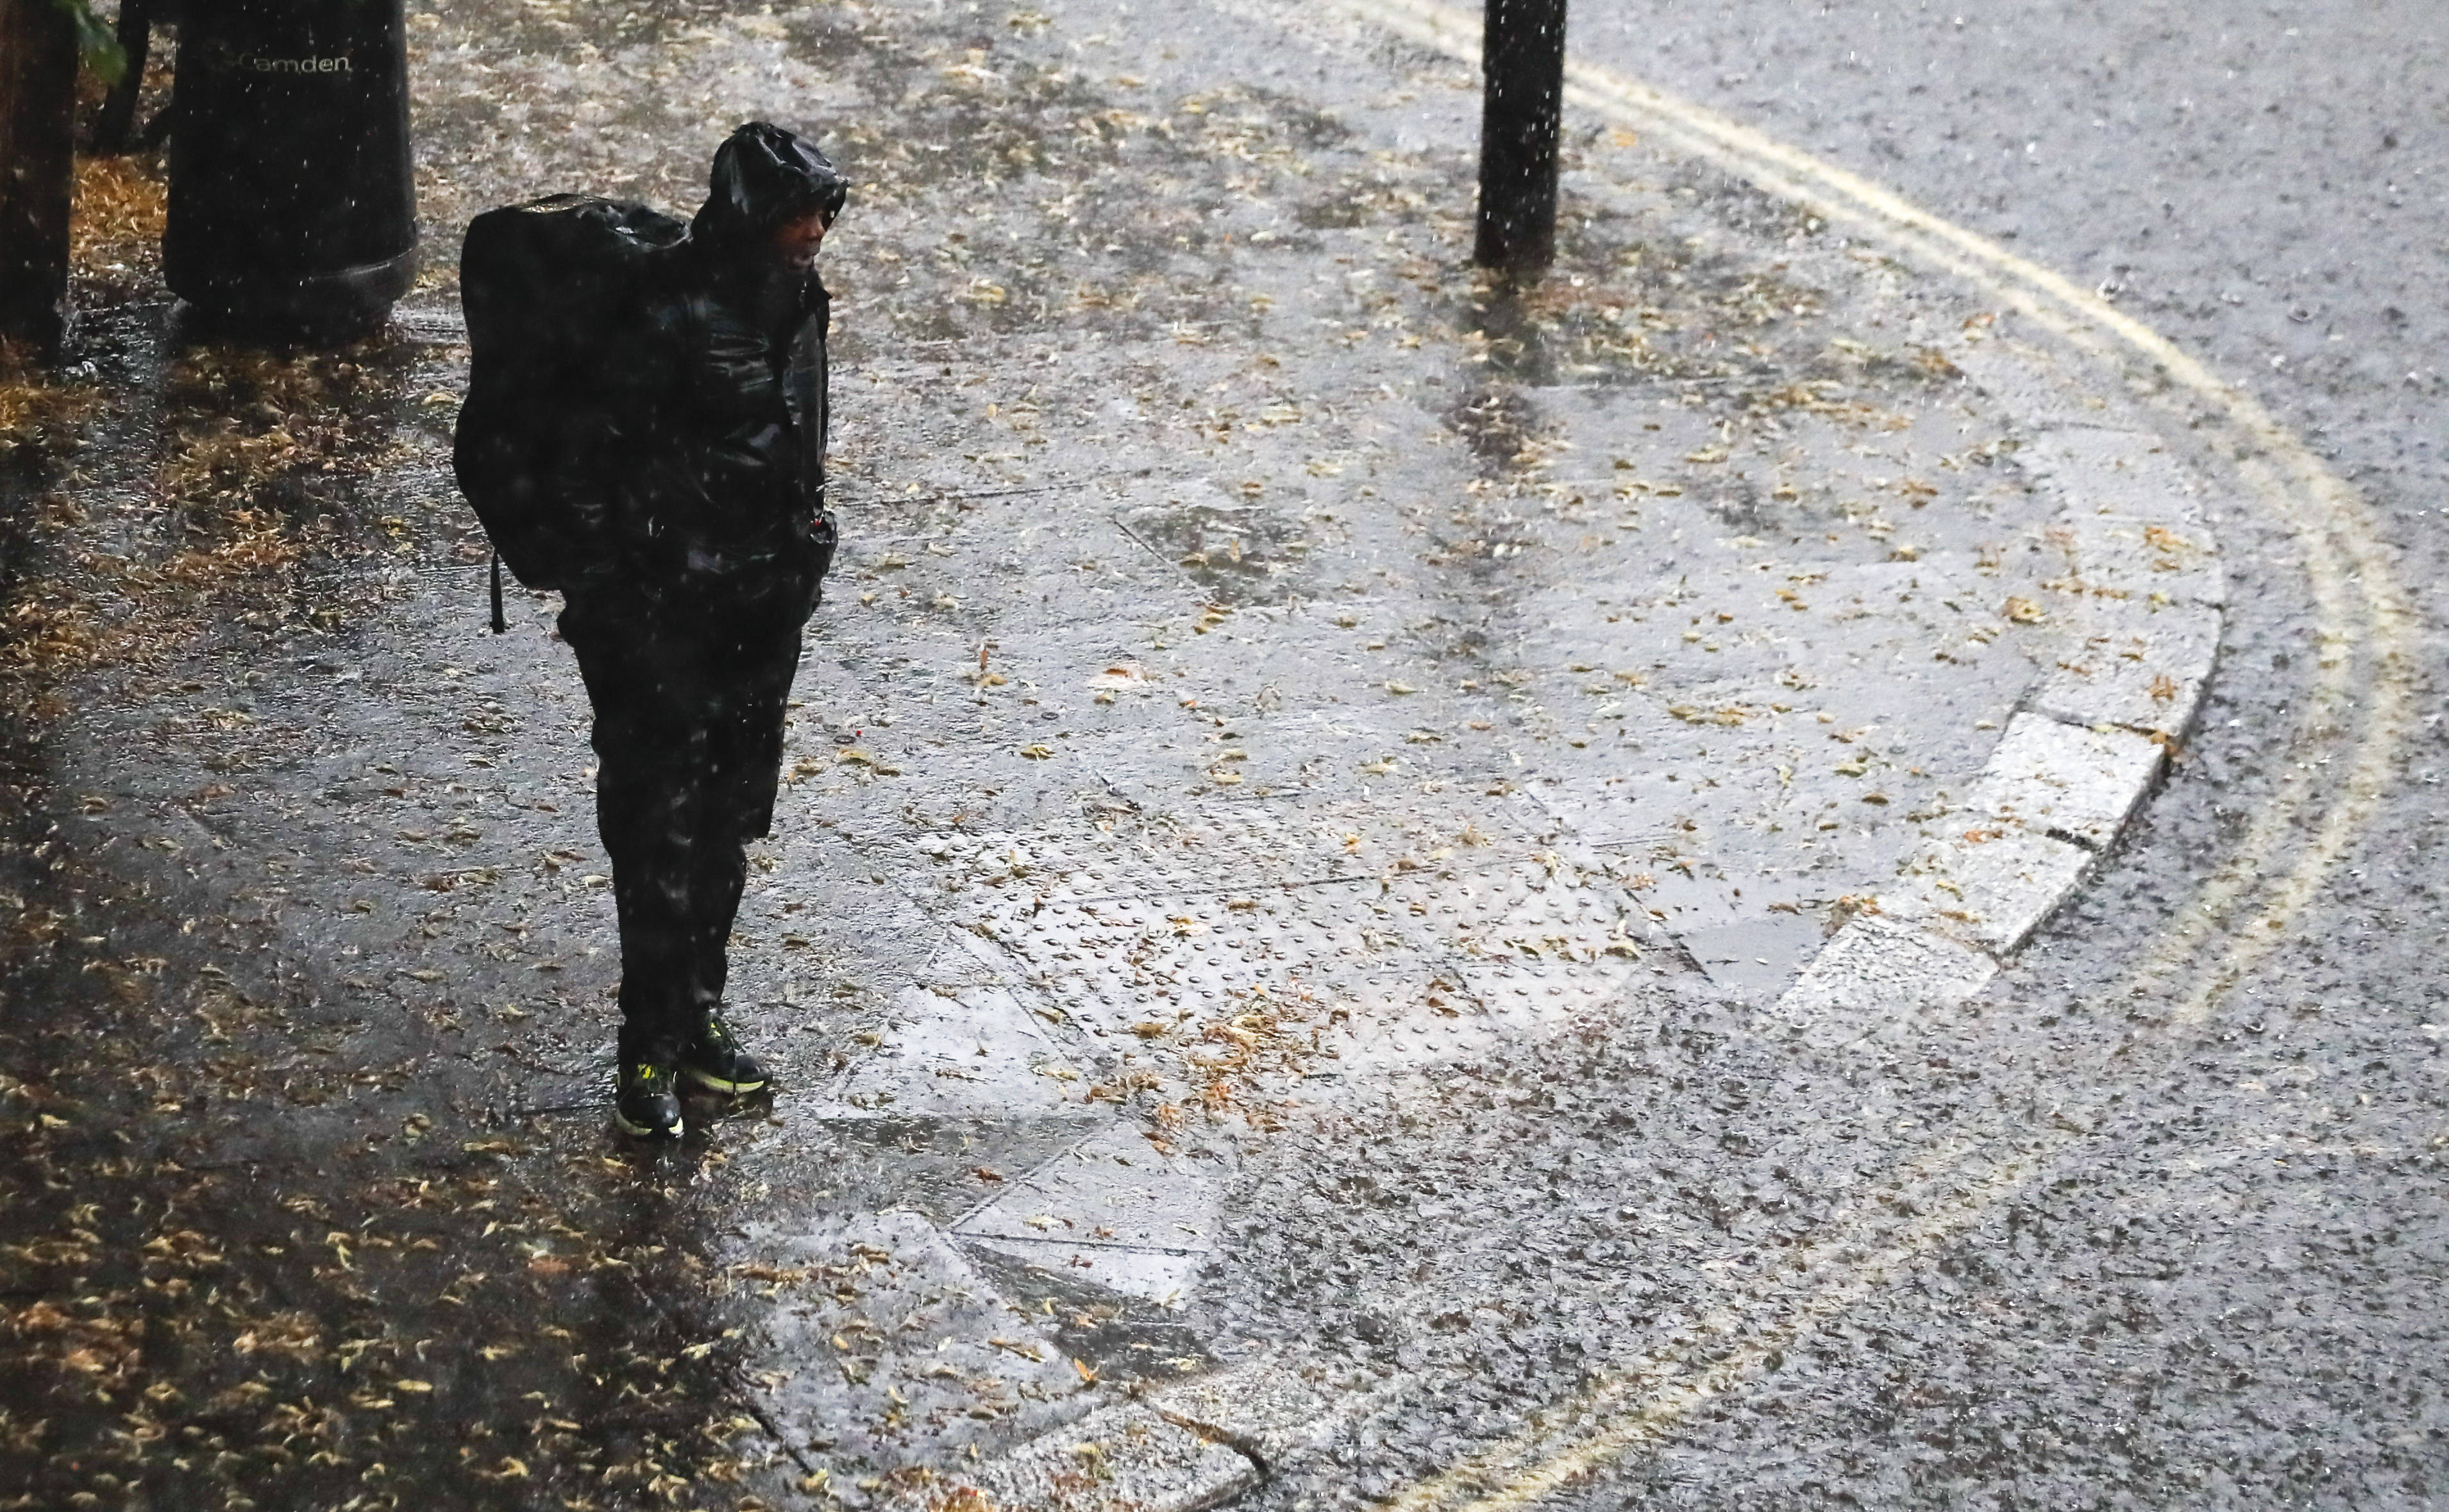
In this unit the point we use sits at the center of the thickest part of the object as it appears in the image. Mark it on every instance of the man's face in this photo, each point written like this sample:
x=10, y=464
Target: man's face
x=794, y=241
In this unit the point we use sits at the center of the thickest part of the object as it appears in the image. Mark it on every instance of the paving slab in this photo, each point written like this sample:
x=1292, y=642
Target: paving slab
x=1122, y=1457
x=1268, y=1410
x=954, y=1052
x=1876, y=971
x=1115, y=1210
x=876, y=1346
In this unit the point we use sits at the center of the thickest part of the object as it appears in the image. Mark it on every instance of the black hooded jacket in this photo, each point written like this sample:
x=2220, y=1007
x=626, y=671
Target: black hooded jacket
x=712, y=471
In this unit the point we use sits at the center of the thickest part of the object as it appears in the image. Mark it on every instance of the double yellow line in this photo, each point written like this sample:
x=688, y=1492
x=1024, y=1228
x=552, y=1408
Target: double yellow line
x=2357, y=715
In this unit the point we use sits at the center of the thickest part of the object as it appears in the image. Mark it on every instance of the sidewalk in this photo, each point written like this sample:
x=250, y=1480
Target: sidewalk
x=1268, y=671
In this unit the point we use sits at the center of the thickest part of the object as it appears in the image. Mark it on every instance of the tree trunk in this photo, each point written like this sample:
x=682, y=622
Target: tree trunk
x=38, y=74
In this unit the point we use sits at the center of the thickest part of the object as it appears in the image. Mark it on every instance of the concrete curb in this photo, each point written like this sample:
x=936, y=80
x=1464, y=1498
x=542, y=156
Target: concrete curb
x=2139, y=609
x=2140, y=598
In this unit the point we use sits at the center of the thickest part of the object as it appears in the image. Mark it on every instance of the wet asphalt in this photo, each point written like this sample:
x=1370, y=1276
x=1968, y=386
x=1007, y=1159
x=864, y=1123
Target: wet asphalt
x=2227, y=1292
x=2212, y=1280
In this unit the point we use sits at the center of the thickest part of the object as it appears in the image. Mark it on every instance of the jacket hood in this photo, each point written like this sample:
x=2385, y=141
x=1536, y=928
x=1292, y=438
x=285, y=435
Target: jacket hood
x=764, y=176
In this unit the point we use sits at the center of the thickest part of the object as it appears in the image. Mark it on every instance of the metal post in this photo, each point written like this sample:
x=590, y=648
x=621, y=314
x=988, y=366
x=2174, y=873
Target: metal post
x=1522, y=56
x=38, y=71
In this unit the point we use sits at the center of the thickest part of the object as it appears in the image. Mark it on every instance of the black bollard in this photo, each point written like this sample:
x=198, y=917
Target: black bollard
x=293, y=208
x=1522, y=57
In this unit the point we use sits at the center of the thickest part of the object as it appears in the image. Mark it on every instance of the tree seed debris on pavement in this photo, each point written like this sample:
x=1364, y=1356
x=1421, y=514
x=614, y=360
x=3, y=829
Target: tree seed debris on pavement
x=1169, y=392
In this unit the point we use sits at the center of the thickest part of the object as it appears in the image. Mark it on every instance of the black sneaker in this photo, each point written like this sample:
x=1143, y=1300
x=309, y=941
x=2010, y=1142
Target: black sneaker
x=647, y=1102
x=715, y=1061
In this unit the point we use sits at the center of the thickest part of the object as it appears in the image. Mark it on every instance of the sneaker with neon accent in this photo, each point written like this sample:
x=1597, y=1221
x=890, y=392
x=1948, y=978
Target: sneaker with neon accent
x=715, y=1059
x=647, y=1101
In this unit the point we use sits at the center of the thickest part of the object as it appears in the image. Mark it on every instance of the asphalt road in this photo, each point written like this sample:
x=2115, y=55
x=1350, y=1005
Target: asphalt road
x=2154, y=1219
x=2263, y=184
x=2221, y=1287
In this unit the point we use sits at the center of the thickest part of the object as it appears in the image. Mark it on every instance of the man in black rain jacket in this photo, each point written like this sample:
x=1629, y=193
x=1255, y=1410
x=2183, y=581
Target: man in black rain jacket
x=711, y=482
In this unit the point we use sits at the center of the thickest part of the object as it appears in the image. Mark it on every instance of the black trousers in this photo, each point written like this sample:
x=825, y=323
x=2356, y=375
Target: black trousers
x=688, y=739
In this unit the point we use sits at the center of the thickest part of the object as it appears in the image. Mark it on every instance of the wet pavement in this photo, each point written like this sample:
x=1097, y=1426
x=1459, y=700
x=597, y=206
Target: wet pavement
x=1314, y=808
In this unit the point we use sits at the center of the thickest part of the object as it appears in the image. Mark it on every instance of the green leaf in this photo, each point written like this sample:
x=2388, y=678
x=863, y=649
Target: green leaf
x=96, y=44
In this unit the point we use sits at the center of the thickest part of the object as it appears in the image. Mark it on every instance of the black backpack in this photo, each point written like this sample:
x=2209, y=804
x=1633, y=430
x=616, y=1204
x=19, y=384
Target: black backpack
x=549, y=288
